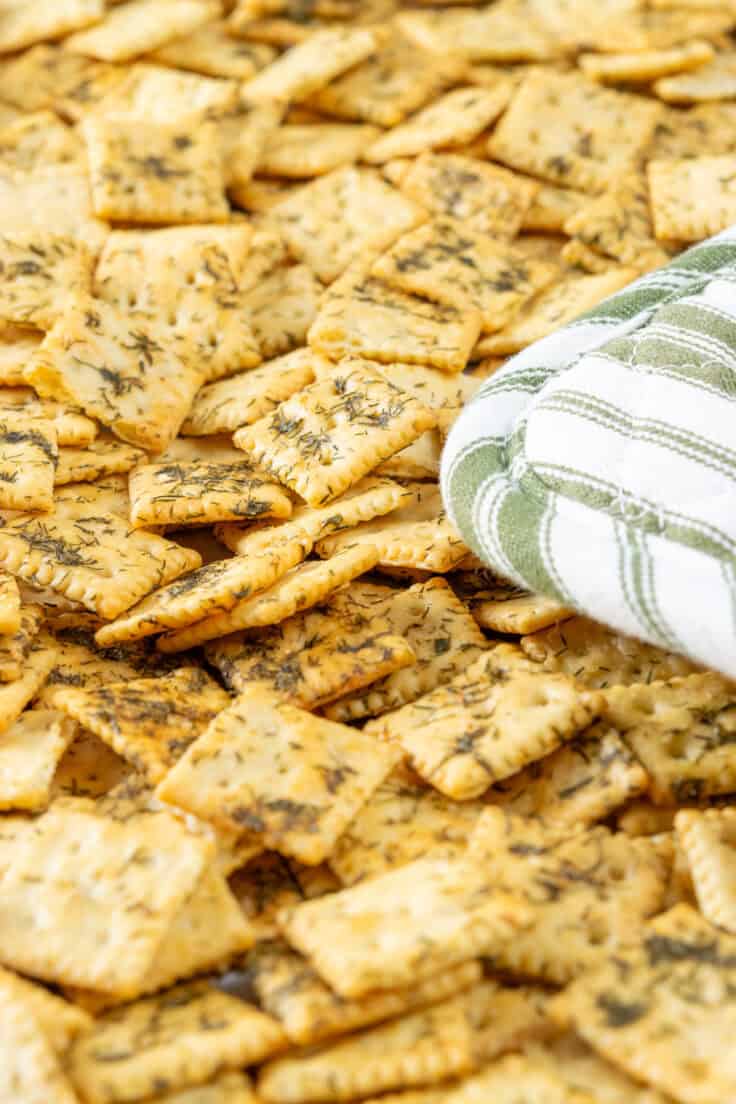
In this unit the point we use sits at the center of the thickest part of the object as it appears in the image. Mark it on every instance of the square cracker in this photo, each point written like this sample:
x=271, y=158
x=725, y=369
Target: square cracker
x=505, y=608
x=572, y=132
x=214, y=52
x=419, y=1048
x=54, y=198
x=98, y=561
x=360, y=315
x=153, y=173
x=446, y=261
x=405, y=819
x=435, y=624
x=32, y=141
x=28, y=456
x=692, y=198
x=315, y=656
x=281, y=308
x=118, y=369
x=417, y=535
x=124, y=895
x=200, y=494
x=307, y=585
x=103, y=457
x=300, y=150
x=324, y=439
x=455, y=118
x=485, y=197
x=29, y=1071
x=288, y=988
x=663, y=1008
x=396, y=80
x=149, y=721
x=30, y=751
x=682, y=731
x=9, y=604
x=23, y=24
x=14, y=648
x=708, y=840
x=242, y=399
x=139, y=27
x=266, y=556
x=619, y=223
x=589, y=888
x=487, y=723
x=179, y=1038
x=404, y=926
x=312, y=64
x=325, y=773
x=350, y=212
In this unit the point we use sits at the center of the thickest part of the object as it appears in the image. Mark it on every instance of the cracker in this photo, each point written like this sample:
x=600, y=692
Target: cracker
x=417, y=535
x=361, y=315
x=403, y=820
x=496, y=34
x=17, y=346
x=692, y=198
x=264, y=886
x=28, y=455
x=281, y=308
x=154, y=173
x=705, y=129
x=21, y=25
x=244, y=131
x=646, y=65
x=455, y=118
x=104, y=457
x=542, y=134
x=217, y=586
x=404, y=926
x=15, y=696
x=325, y=773
x=157, y=94
x=324, y=439
x=9, y=604
x=582, y=782
x=289, y=989
x=312, y=64
x=662, y=1008
x=71, y=427
x=55, y=198
x=313, y=657
x=589, y=888
x=32, y=80
x=98, y=561
x=351, y=212
x=39, y=274
x=39, y=139
x=420, y=1048
x=149, y=721
x=419, y=460
x=60, y=1021
x=551, y=207
x=598, y=657
x=180, y=1038
x=30, y=751
x=570, y=296
x=398, y=79
x=29, y=1070
x=715, y=80
x=518, y=1077
x=124, y=898
x=88, y=769
x=446, y=261
x=507, y=609
x=295, y=151
x=503, y=1019
x=14, y=647
x=248, y=396
x=485, y=197
x=619, y=223
x=212, y=51
x=436, y=625
x=117, y=369
x=707, y=838
x=139, y=27
x=681, y=730
x=486, y=724
x=443, y=393
x=199, y=494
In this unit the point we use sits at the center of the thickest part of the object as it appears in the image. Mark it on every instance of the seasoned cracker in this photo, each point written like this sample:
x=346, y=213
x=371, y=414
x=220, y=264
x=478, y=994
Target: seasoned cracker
x=139, y=27
x=40, y=273
x=244, y=131
x=503, y=1019
x=453, y=119
x=707, y=838
x=39, y=139
x=72, y=428
x=324, y=439
x=54, y=198
x=487, y=723
x=248, y=396
x=119, y=370
x=109, y=494
x=312, y=64
x=154, y=173
x=32, y=79
x=518, y=1077
x=29, y=1070
x=324, y=774
x=60, y=1021
x=551, y=207
x=582, y=782
x=619, y=223
x=212, y=51
x=23, y=25
x=334, y=221
x=28, y=457
x=103, y=457
x=157, y=94
x=505, y=608
x=149, y=721
x=267, y=884
x=589, y=889
x=715, y=80
x=295, y=151
x=181, y=1037
x=14, y=647
x=420, y=1048
x=437, y=626
x=705, y=129
x=218, y=586
x=30, y=751
x=17, y=346
x=692, y=198
x=572, y=132
x=362, y=316
x=404, y=926
x=646, y=65
x=200, y=494
x=281, y=309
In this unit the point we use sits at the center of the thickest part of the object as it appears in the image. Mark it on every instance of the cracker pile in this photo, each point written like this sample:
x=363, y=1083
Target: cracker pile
x=298, y=803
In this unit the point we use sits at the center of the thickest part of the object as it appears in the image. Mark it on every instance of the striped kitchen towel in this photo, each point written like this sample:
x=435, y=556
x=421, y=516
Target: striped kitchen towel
x=598, y=467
